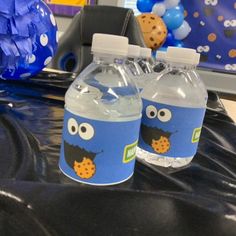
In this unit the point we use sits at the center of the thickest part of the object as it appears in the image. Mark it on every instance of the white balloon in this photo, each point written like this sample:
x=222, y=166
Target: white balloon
x=171, y=3
x=182, y=32
x=159, y=9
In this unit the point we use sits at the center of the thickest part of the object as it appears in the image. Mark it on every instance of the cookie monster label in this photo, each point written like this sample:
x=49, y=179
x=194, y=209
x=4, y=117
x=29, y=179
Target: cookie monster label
x=170, y=131
x=98, y=152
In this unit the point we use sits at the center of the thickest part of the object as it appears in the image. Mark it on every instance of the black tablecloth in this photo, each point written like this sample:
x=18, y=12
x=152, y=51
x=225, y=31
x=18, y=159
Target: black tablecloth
x=37, y=199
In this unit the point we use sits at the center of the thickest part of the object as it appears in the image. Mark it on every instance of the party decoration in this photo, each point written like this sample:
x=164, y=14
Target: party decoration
x=153, y=29
x=159, y=9
x=173, y=18
x=171, y=3
x=171, y=41
x=180, y=8
x=172, y=13
x=145, y=5
x=182, y=31
x=29, y=44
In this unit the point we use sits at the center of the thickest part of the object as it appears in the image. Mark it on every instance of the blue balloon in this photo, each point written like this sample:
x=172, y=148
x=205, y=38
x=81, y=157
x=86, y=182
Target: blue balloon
x=173, y=18
x=164, y=49
x=145, y=5
x=171, y=41
x=157, y=1
x=180, y=7
x=182, y=32
x=43, y=50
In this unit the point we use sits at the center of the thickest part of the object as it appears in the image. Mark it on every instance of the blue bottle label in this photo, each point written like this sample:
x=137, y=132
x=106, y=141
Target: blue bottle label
x=98, y=152
x=170, y=130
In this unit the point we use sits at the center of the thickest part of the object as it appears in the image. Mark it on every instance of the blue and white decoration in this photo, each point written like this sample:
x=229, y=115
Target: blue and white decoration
x=172, y=13
x=30, y=41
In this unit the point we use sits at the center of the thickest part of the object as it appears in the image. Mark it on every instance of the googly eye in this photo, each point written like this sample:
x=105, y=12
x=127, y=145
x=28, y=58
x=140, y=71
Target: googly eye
x=164, y=115
x=86, y=131
x=72, y=126
x=151, y=112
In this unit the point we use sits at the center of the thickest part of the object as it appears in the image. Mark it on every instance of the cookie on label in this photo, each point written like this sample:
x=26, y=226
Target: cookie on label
x=161, y=145
x=85, y=169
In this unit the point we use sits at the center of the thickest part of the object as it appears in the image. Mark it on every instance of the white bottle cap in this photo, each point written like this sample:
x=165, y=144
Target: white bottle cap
x=161, y=55
x=181, y=55
x=145, y=52
x=110, y=44
x=133, y=51
x=196, y=59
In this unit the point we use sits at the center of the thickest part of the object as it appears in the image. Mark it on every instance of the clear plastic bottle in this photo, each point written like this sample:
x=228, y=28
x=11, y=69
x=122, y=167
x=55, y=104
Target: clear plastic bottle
x=173, y=110
x=144, y=60
x=160, y=63
x=102, y=118
x=132, y=67
x=131, y=64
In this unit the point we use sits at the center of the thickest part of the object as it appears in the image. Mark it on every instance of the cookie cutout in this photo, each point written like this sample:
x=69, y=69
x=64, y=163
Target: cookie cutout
x=161, y=145
x=209, y=11
x=232, y=53
x=220, y=18
x=196, y=14
x=212, y=37
x=154, y=30
x=85, y=169
x=185, y=13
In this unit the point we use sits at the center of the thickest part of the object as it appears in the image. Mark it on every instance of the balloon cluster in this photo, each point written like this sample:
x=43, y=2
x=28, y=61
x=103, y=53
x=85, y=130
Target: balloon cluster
x=28, y=38
x=172, y=13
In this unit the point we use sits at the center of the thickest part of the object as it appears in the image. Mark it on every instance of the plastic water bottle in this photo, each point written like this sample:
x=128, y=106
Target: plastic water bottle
x=131, y=64
x=144, y=60
x=173, y=110
x=160, y=63
x=132, y=67
x=102, y=118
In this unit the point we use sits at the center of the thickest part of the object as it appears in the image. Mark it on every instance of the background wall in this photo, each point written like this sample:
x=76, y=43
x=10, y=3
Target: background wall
x=64, y=22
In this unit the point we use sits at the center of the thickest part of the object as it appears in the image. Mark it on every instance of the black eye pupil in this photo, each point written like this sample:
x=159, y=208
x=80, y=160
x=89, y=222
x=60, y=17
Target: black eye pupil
x=162, y=113
x=73, y=129
x=152, y=113
x=83, y=129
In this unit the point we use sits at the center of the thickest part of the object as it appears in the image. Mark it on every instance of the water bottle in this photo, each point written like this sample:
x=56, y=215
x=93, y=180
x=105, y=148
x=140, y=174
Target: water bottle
x=144, y=61
x=173, y=110
x=131, y=64
x=102, y=118
x=160, y=63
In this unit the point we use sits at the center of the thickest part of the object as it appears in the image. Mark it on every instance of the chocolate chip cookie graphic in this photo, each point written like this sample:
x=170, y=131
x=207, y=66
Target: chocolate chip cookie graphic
x=158, y=139
x=80, y=160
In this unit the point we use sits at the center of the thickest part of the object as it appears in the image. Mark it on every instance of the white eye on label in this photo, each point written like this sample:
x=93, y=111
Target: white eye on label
x=72, y=126
x=151, y=112
x=164, y=115
x=86, y=131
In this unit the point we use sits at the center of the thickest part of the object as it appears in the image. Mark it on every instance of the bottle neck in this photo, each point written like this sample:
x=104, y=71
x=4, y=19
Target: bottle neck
x=182, y=66
x=134, y=59
x=144, y=63
x=102, y=58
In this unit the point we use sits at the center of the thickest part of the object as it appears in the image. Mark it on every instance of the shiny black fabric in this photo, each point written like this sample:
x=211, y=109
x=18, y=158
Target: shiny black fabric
x=36, y=199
